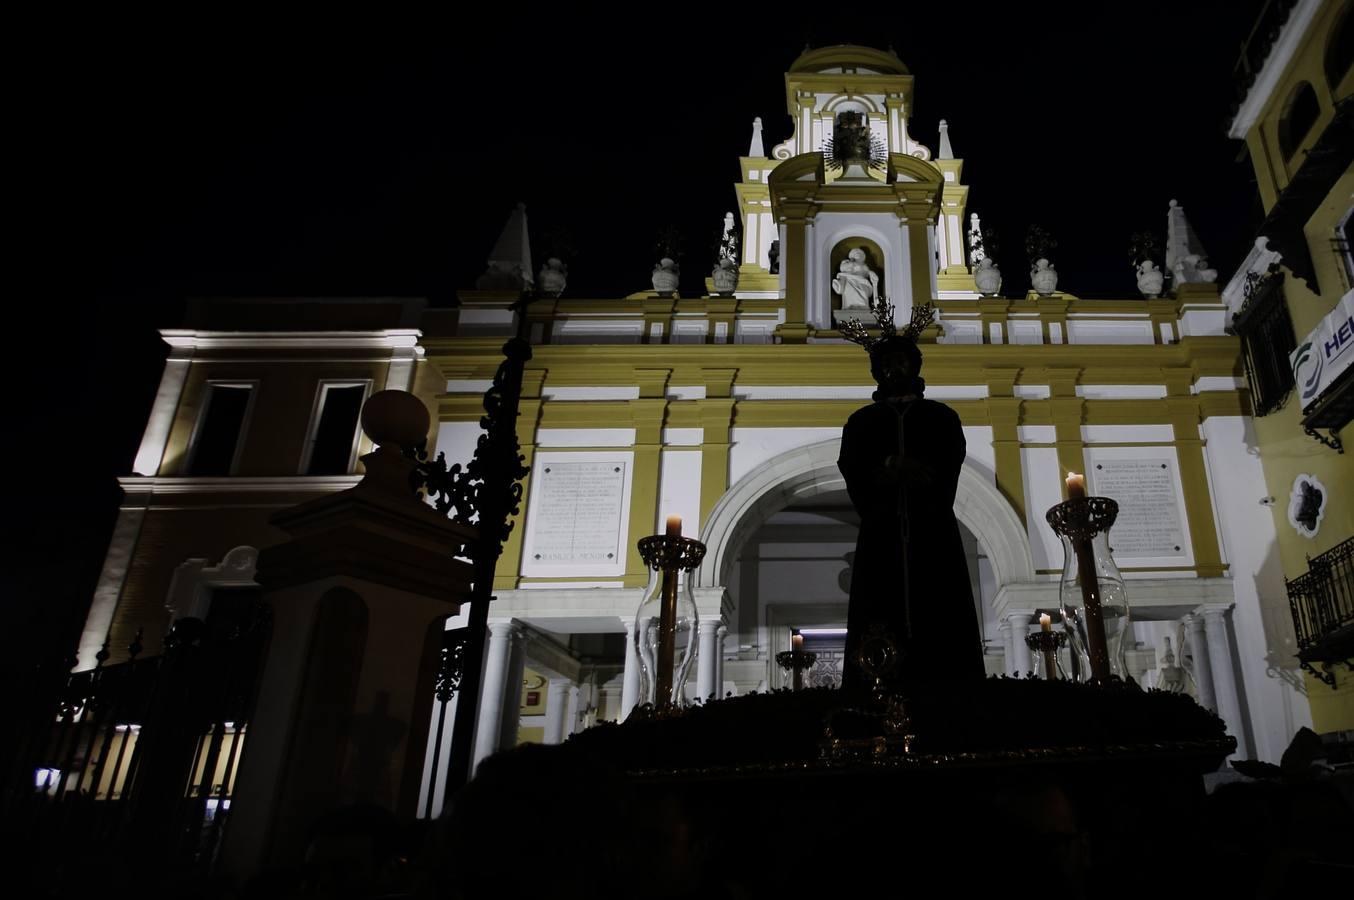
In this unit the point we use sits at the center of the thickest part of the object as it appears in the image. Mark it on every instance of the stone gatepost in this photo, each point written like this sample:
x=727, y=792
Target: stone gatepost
x=359, y=595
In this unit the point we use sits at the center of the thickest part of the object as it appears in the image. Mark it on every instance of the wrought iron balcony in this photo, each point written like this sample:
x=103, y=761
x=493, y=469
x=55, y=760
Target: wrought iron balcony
x=1322, y=603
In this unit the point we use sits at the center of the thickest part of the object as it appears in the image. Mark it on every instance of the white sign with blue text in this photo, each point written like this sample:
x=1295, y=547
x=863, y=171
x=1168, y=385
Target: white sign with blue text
x=1326, y=353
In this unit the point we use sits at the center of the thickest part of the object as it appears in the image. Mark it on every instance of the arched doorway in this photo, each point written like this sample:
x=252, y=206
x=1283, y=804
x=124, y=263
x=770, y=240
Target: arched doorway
x=802, y=488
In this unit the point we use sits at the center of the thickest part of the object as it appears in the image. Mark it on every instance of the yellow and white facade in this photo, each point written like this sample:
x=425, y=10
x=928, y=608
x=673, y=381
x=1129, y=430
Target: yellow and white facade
x=727, y=412
x=1307, y=66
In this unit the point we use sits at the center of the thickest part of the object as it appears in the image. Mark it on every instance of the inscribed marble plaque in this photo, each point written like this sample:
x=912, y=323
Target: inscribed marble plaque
x=1149, y=508
x=577, y=512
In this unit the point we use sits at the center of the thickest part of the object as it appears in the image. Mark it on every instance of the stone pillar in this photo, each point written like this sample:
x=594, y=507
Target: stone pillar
x=705, y=660
x=1203, y=671
x=630, y=684
x=512, y=692
x=571, y=706
x=497, y=687
x=556, y=699
x=720, y=633
x=359, y=595
x=1008, y=654
x=1224, y=674
x=1020, y=651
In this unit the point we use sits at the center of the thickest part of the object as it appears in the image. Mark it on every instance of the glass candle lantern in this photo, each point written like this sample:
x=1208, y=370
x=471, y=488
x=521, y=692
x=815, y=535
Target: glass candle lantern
x=664, y=630
x=1091, y=592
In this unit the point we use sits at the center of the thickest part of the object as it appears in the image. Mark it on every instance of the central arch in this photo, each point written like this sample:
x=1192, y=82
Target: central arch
x=804, y=472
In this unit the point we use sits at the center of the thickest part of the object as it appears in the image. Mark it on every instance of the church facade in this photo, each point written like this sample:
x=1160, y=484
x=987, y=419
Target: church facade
x=726, y=410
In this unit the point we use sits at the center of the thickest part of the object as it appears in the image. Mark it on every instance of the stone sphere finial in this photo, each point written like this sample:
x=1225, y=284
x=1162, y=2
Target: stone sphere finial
x=395, y=418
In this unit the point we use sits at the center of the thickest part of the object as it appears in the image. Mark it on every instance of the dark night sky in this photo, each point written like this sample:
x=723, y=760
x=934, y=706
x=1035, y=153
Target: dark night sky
x=331, y=156
x=352, y=157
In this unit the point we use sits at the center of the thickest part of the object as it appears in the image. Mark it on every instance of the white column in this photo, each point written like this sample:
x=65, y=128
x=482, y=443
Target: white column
x=571, y=711
x=630, y=682
x=720, y=633
x=1020, y=651
x=1224, y=674
x=1203, y=672
x=512, y=692
x=498, y=659
x=705, y=660
x=156, y=435
x=556, y=699
x=1008, y=654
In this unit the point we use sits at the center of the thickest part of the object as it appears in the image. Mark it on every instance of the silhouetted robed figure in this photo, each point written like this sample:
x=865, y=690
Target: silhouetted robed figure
x=901, y=458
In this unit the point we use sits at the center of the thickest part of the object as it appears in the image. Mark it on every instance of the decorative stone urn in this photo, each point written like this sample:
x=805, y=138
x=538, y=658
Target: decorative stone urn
x=988, y=277
x=665, y=277
x=725, y=277
x=552, y=278
x=1151, y=279
x=1044, y=278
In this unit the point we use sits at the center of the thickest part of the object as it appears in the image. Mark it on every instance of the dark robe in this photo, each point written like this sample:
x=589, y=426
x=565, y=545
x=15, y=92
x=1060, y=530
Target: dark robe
x=943, y=619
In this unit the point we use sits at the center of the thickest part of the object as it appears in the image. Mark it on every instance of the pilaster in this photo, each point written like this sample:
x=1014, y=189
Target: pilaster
x=716, y=413
x=1003, y=412
x=647, y=415
x=1183, y=413
x=1067, y=410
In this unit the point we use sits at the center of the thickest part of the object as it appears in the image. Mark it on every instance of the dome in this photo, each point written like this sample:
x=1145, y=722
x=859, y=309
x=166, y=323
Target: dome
x=865, y=60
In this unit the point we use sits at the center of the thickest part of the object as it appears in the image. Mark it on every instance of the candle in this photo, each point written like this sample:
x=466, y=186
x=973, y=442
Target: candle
x=674, y=526
x=1076, y=486
x=1045, y=623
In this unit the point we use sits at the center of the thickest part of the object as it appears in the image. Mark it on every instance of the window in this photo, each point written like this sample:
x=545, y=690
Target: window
x=1299, y=115
x=1266, y=333
x=1343, y=248
x=215, y=446
x=332, y=447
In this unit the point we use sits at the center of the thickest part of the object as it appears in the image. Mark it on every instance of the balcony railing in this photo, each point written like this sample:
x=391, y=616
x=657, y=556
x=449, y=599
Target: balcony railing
x=1322, y=603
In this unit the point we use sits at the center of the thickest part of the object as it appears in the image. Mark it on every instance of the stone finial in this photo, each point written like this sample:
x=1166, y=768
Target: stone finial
x=509, y=265
x=756, y=148
x=946, y=151
x=394, y=420
x=1185, y=257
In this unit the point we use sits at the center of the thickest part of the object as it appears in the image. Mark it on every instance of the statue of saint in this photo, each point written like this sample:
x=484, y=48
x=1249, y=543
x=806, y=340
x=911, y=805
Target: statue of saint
x=856, y=282
x=901, y=457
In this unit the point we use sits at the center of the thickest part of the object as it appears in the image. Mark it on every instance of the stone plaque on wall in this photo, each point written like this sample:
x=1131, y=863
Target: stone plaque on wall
x=577, y=511
x=1149, y=507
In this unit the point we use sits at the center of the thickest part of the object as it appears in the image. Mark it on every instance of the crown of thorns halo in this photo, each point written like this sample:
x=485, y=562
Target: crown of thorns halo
x=922, y=316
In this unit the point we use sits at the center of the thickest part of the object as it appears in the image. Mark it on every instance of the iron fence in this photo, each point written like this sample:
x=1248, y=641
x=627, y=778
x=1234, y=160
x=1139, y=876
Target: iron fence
x=133, y=769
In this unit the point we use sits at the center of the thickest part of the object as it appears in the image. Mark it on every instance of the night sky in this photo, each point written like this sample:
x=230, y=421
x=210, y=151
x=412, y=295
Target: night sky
x=351, y=156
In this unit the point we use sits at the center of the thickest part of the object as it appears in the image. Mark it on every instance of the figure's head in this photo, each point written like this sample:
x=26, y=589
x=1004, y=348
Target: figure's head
x=856, y=255
x=895, y=363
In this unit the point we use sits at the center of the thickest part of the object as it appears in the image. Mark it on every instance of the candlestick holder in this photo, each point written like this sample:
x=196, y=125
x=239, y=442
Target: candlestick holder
x=664, y=630
x=796, y=662
x=1047, y=644
x=1091, y=591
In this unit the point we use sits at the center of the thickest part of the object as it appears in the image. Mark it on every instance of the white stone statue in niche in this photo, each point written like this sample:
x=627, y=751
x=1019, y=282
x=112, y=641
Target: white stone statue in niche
x=856, y=282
